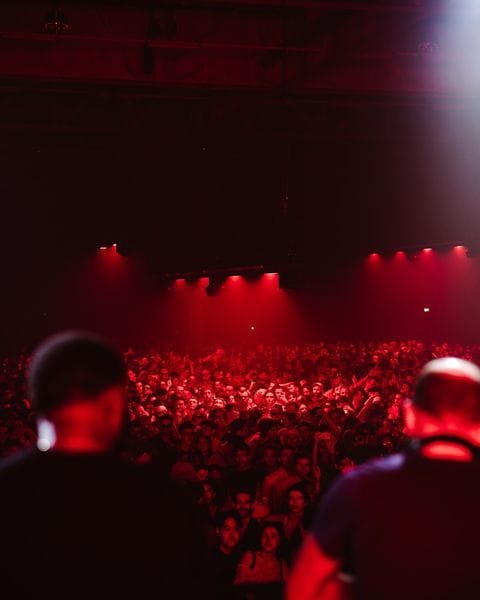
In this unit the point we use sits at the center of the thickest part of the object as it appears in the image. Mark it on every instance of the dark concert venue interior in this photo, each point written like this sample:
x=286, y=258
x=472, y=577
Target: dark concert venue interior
x=271, y=208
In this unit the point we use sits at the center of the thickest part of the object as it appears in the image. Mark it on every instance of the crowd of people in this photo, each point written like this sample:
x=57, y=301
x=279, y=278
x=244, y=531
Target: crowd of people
x=255, y=435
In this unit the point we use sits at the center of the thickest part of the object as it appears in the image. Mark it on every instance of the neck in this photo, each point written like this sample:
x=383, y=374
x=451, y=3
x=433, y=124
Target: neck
x=51, y=437
x=79, y=444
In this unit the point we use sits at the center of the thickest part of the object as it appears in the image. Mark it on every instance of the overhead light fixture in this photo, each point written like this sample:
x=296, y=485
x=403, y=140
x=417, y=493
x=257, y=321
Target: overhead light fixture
x=56, y=22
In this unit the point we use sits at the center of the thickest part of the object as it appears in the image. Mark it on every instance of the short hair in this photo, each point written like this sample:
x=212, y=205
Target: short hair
x=186, y=425
x=279, y=529
x=302, y=456
x=241, y=446
x=449, y=386
x=237, y=425
x=72, y=362
x=223, y=516
x=299, y=487
x=243, y=490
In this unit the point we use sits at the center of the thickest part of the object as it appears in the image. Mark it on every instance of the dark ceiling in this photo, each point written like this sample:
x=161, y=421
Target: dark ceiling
x=216, y=133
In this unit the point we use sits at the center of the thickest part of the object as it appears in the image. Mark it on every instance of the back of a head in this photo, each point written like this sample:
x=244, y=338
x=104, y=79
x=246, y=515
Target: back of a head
x=72, y=363
x=449, y=387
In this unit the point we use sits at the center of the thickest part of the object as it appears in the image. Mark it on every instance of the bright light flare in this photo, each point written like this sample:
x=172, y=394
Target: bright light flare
x=373, y=258
x=426, y=309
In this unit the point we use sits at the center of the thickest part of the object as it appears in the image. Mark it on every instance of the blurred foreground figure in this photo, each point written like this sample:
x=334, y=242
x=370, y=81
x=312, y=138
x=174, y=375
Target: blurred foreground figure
x=75, y=521
x=406, y=526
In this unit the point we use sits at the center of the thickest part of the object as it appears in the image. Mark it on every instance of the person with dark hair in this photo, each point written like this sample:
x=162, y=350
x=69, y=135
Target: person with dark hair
x=209, y=509
x=66, y=506
x=243, y=502
x=241, y=475
x=406, y=526
x=296, y=519
x=225, y=555
x=261, y=573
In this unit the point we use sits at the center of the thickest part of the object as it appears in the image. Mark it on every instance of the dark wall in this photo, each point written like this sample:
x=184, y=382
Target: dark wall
x=377, y=298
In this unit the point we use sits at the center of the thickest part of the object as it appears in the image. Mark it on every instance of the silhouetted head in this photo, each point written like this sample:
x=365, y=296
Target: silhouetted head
x=77, y=385
x=449, y=387
x=446, y=403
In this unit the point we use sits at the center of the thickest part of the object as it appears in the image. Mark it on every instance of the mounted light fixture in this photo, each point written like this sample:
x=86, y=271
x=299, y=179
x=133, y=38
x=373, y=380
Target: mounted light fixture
x=56, y=22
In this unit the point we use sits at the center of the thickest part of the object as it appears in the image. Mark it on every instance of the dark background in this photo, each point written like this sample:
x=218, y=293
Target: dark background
x=205, y=174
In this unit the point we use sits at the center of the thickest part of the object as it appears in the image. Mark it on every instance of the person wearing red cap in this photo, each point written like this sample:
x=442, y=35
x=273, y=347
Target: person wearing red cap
x=406, y=526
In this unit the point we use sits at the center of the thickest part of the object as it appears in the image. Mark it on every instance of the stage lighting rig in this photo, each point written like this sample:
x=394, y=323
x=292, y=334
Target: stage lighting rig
x=56, y=22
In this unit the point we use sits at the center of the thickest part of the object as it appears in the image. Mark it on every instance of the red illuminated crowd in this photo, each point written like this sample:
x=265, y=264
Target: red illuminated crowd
x=255, y=435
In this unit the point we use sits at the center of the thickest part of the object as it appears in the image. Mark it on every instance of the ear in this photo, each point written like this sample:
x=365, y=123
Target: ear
x=409, y=415
x=113, y=406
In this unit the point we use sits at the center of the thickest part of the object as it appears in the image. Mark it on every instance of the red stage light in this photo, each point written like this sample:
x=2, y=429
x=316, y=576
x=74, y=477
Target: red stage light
x=103, y=247
x=427, y=250
x=426, y=310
